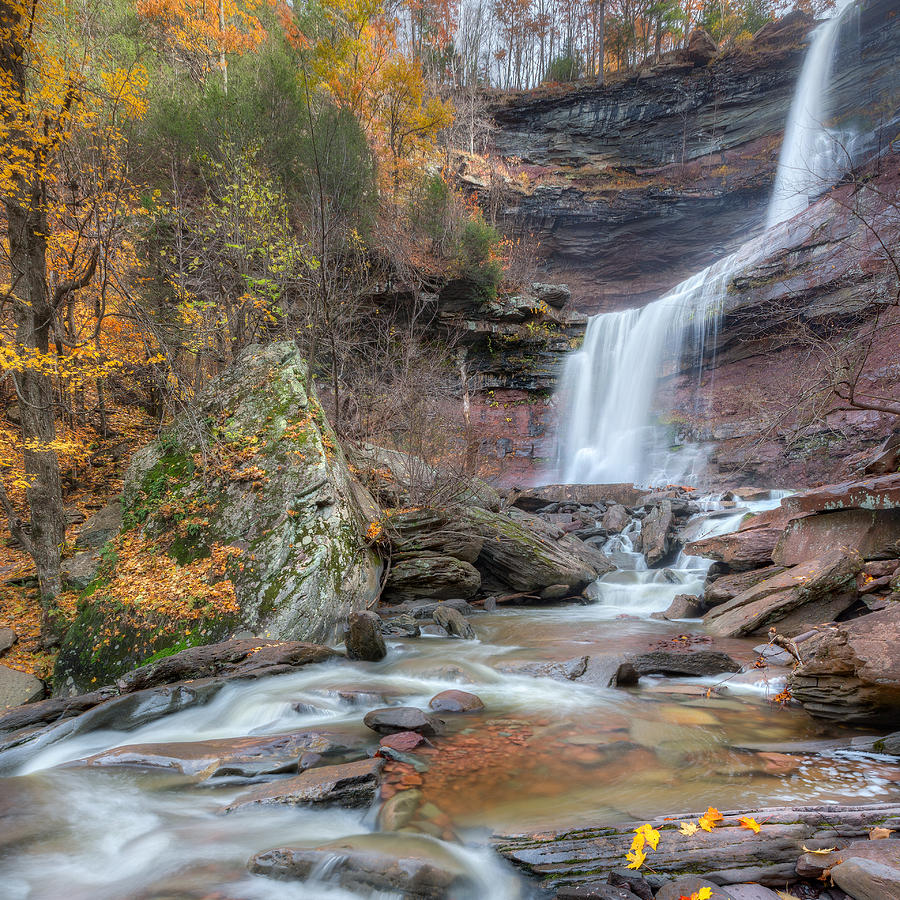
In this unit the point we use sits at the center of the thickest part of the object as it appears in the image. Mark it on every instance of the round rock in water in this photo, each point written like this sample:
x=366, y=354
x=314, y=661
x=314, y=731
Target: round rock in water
x=363, y=638
x=403, y=718
x=456, y=702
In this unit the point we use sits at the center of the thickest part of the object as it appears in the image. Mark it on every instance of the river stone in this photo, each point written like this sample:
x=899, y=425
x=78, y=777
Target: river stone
x=688, y=884
x=594, y=890
x=882, y=492
x=684, y=606
x=566, y=670
x=537, y=498
x=454, y=701
x=634, y=881
x=361, y=871
x=816, y=591
x=403, y=718
x=7, y=639
x=692, y=663
x=348, y=784
x=813, y=865
x=290, y=505
x=744, y=549
x=865, y=879
x=454, y=622
x=851, y=671
x=363, y=638
x=403, y=741
x=18, y=687
x=750, y=892
x=430, y=575
x=401, y=626
x=616, y=518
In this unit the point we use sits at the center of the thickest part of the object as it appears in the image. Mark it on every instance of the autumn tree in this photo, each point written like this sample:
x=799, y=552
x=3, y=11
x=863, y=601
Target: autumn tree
x=62, y=99
x=201, y=33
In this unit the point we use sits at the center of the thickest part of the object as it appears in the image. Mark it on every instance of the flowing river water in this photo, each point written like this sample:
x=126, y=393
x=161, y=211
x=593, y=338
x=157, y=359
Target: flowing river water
x=546, y=752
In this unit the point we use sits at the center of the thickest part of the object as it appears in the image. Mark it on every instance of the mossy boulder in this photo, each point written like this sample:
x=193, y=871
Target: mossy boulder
x=241, y=517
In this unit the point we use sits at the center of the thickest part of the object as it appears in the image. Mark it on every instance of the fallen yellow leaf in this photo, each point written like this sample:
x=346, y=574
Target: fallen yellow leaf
x=749, y=822
x=688, y=828
x=635, y=859
x=819, y=852
x=650, y=834
x=638, y=842
x=880, y=834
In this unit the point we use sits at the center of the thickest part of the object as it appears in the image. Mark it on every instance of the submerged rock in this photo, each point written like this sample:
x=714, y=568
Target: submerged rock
x=255, y=475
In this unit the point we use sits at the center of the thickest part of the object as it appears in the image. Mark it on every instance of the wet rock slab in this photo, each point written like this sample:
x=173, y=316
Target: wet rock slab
x=350, y=785
x=246, y=757
x=726, y=855
x=417, y=876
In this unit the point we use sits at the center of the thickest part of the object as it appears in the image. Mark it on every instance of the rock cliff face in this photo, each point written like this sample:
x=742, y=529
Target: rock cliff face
x=634, y=186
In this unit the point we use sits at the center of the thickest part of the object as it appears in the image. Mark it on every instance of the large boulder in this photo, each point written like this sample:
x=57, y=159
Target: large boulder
x=747, y=548
x=657, y=532
x=424, y=575
x=873, y=533
x=816, y=591
x=701, y=47
x=852, y=672
x=241, y=517
x=524, y=553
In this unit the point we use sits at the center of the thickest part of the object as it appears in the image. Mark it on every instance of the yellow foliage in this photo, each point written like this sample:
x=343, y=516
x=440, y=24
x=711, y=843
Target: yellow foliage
x=750, y=823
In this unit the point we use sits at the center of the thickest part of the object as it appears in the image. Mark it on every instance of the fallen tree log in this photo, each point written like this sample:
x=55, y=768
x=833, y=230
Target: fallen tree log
x=727, y=855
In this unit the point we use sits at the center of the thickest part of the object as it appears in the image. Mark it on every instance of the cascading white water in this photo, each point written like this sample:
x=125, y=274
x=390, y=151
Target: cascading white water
x=607, y=428
x=811, y=153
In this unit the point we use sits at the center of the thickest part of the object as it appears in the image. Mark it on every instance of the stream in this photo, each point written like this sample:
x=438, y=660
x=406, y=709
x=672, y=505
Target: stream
x=545, y=753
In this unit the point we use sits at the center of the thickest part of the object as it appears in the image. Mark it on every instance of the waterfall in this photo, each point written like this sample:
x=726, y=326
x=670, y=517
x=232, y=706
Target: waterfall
x=810, y=153
x=607, y=428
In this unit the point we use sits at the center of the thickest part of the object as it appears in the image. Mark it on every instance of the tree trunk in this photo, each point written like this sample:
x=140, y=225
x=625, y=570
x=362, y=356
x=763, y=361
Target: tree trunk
x=27, y=252
x=601, y=41
x=26, y=218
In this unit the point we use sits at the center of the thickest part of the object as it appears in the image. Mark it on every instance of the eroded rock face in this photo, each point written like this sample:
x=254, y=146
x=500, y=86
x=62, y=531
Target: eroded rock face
x=812, y=592
x=277, y=492
x=853, y=672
